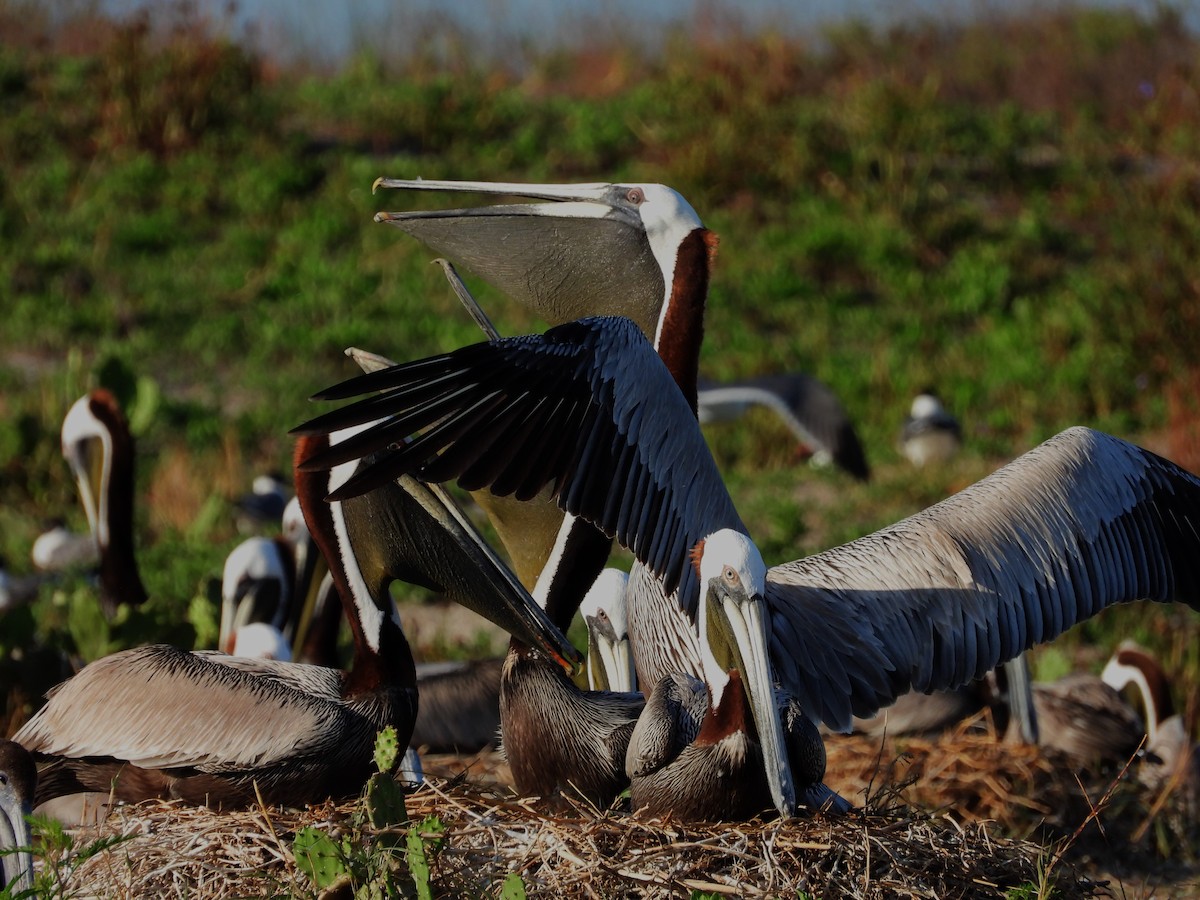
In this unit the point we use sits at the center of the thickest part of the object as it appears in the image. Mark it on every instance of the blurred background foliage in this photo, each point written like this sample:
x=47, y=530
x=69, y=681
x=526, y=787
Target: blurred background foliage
x=1005, y=208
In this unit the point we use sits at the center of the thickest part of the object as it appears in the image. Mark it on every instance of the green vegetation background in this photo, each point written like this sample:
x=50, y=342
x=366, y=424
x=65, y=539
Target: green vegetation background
x=1006, y=209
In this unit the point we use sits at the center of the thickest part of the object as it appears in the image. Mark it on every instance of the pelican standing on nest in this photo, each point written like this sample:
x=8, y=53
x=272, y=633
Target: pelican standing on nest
x=210, y=728
x=1077, y=524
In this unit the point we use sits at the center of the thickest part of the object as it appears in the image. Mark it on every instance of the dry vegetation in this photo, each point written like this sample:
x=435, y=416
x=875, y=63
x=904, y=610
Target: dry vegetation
x=935, y=810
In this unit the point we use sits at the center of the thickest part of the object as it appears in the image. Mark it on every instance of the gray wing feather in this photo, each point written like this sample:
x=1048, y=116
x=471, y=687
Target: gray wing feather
x=1079, y=523
x=180, y=709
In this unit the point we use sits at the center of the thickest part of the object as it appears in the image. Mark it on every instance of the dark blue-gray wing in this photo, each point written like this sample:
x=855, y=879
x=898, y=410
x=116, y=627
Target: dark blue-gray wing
x=588, y=408
x=1079, y=523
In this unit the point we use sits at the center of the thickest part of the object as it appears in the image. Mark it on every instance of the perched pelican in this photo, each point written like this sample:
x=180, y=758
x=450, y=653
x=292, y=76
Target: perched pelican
x=209, y=728
x=609, y=659
x=18, y=775
x=1077, y=524
x=1171, y=760
x=460, y=706
x=256, y=589
x=58, y=548
x=1086, y=720
x=807, y=407
x=99, y=449
x=264, y=505
x=931, y=435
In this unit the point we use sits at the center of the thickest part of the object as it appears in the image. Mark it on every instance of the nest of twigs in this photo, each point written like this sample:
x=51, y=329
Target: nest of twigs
x=962, y=815
x=174, y=850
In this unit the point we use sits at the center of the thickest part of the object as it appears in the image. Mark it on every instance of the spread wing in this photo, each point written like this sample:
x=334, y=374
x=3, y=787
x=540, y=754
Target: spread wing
x=1079, y=523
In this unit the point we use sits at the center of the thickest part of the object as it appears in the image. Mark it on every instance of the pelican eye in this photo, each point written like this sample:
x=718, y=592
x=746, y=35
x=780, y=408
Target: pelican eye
x=3, y=778
x=730, y=576
x=636, y=196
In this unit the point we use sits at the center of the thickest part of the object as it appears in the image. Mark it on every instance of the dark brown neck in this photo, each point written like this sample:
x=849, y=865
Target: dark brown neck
x=682, y=330
x=120, y=580
x=391, y=665
x=1156, y=681
x=729, y=716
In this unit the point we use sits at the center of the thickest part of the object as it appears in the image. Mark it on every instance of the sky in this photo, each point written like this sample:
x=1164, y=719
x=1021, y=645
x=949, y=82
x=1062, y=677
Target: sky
x=326, y=31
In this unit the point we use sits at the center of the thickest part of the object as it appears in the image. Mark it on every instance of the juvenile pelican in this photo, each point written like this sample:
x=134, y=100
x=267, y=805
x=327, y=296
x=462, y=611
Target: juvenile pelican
x=209, y=728
x=1077, y=524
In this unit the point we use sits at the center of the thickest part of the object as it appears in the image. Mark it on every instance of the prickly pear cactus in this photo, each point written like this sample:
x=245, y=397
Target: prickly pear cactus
x=387, y=750
x=385, y=802
x=318, y=857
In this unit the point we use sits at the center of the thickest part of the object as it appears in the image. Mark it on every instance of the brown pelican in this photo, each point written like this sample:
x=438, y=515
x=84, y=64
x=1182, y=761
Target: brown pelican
x=211, y=728
x=1171, y=760
x=460, y=700
x=931, y=435
x=98, y=447
x=635, y=250
x=609, y=659
x=18, y=775
x=558, y=739
x=1077, y=524
x=1086, y=720
x=810, y=410
x=271, y=586
x=264, y=504
x=58, y=548
x=256, y=589
x=460, y=706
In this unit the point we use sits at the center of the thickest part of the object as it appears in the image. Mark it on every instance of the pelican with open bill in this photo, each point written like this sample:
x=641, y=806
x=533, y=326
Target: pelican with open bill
x=210, y=728
x=1077, y=524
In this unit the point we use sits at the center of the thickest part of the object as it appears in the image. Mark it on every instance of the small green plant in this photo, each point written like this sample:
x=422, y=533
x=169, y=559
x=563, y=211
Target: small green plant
x=424, y=840
x=513, y=887
x=368, y=857
x=61, y=856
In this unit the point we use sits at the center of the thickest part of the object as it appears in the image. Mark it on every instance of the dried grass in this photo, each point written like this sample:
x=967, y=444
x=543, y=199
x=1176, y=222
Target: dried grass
x=893, y=850
x=937, y=810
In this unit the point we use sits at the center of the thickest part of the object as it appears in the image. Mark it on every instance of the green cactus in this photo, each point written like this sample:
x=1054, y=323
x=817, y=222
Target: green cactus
x=319, y=857
x=385, y=802
x=513, y=887
x=388, y=751
x=424, y=840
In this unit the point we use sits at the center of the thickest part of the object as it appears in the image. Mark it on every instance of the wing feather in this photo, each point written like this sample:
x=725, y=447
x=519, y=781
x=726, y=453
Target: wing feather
x=180, y=709
x=1080, y=523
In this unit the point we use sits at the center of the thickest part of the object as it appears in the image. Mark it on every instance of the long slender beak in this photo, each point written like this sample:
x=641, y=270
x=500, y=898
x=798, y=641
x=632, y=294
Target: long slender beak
x=1019, y=692
x=610, y=663
x=746, y=622
x=594, y=191
x=16, y=866
x=86, y=463
x=582, y=251
x=485, y=584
